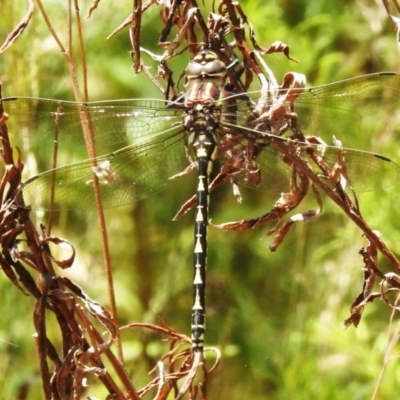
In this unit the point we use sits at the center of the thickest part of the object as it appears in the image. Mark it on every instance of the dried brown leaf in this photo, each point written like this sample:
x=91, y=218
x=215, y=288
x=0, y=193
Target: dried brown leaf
x=18, y=29
x=64, y=244
x=369, y=255
x=279, y=47
x=93, y=7
x=96, y=309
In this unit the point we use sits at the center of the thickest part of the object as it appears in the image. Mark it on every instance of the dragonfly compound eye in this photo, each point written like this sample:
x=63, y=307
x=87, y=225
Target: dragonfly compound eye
x=206, y=64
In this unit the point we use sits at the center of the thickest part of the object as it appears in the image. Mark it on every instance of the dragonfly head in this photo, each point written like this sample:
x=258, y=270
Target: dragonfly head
x=205, y=64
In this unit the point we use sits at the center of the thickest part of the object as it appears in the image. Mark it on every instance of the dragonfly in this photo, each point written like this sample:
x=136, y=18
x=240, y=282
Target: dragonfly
x=142, y=143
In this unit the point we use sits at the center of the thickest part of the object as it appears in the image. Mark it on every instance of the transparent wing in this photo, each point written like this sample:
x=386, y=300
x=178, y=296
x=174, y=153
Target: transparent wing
x=364, y=171
x=140, y=142
x=125, y=176
x=115, y=124
x=357, y=111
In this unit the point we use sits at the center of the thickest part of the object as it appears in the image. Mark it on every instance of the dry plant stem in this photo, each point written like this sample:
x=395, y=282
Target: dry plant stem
x=39, y=311
x=45, y=382
x=44, y=347
x=200, y=19
x=98, y=340
x=128, y=21
x=190, y=365
x=118, y=367
x=165, y=330
x=391, y=345
x=135, y=32
x=82, y=51
x=387, y=6
x=90, y=145
x=19, y=28
x=40, y=336
x=197, y=361
x=53, y=183
x=350, y=212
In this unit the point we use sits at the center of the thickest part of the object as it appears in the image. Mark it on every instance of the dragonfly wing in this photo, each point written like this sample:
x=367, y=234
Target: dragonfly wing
x=356, y=111
x=125, y=176
x=48, y=126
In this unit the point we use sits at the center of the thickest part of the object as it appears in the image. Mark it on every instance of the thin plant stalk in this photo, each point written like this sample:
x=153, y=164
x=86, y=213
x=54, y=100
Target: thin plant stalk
x=90, y=144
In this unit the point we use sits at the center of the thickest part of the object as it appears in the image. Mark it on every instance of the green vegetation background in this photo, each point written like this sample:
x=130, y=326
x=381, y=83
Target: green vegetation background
x=277, y=317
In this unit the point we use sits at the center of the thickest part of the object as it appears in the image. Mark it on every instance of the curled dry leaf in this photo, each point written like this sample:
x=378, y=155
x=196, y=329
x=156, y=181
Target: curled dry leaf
x=307, y=216
x=64, y=244
x=390, y=284
x=279, y=47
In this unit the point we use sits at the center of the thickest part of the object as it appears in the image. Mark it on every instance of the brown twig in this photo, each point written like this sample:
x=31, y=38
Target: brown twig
x=18, y=29
x=90, y=142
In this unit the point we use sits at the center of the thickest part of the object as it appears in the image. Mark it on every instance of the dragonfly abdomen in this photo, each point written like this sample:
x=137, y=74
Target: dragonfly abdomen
x=205, y=78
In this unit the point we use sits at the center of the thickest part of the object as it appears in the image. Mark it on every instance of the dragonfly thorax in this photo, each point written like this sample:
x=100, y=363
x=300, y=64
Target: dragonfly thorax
x=206, y=76
x=205, y=79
